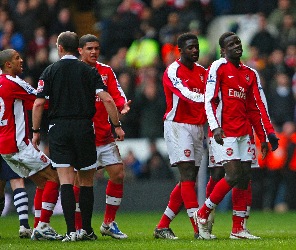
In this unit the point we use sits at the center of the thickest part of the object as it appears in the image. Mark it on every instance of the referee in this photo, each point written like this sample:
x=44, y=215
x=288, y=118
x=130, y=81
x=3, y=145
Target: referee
x=71, y=85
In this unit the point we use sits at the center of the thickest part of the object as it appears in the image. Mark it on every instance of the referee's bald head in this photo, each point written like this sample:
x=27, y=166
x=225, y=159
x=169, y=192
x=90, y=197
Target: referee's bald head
x=69, y=41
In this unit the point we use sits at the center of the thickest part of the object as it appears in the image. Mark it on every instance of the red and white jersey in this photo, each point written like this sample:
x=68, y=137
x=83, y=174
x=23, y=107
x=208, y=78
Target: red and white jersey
x=16, y=97
x=232, y=100
x=101, y=118
x=184, y=90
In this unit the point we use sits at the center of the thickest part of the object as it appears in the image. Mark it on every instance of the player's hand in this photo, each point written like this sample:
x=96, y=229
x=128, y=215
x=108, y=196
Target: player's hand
x=126, y=107
x=218, y=134
x=274, y=141
x=264, y=149
x=120, y=134
x=36, y=140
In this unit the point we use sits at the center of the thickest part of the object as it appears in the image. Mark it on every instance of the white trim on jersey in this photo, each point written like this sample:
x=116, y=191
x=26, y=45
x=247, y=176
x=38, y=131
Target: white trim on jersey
x=20, y=126
x=26, y=86
x=214, y=120
x=177, y=83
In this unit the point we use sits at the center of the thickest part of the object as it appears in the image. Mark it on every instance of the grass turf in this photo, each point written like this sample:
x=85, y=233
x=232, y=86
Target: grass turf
x=276, y=230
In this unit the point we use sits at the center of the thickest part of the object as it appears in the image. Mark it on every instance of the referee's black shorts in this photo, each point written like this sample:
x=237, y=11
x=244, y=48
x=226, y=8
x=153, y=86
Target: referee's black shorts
x=72, y=142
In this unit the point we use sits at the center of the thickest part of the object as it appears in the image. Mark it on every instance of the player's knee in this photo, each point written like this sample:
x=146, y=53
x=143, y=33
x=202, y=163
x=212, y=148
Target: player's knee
x=117, y=177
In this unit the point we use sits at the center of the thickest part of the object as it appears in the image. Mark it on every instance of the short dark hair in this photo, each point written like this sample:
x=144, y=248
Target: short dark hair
x=69, y=41
x=184, y=37
x=223, y=37
x=5, y=56
x=87, y=39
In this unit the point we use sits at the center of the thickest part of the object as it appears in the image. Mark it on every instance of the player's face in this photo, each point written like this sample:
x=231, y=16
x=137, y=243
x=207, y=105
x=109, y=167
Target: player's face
x=190, y=51
x=90, y=52
x=16, y=63
x=233, y=47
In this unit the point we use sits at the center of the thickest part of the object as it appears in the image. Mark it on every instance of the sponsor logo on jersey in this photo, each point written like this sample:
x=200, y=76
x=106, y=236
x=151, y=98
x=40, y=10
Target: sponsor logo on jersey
x=43, y=158
x=187, y=152
x=196, y=90
x=40, y=86
x=239, y=94
x=230, y=76
x=229, y=151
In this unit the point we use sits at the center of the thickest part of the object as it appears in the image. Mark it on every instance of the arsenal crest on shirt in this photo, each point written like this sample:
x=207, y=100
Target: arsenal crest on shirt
x=247, y=78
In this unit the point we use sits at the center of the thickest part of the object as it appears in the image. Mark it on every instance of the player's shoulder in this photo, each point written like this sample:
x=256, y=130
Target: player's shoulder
x=217, y=64
x=172, y=67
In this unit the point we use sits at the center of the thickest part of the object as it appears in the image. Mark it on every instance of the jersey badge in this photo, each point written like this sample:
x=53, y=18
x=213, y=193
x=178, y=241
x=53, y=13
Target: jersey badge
x=104, y=79
x=201, y=77
x=40, y=86
x=247, y=78
x=211, y=79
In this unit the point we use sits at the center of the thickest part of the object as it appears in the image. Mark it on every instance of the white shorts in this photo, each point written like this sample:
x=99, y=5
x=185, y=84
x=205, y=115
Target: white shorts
x=27, y=161
x=213, y=163
x=108, y=155
x=184, y=142
x=234, y=148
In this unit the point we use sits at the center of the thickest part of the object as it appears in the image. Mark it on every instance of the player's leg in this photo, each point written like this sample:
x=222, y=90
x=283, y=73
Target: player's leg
x=78, y=219
x=240, y=193
x=188, y=173
x=48, y=191
x=216, y=174
x=185, y=148
x=21, y=202
x=86, y=203
x=114, y=194
x=108, y=157
x=37, y=205
x=174, y=206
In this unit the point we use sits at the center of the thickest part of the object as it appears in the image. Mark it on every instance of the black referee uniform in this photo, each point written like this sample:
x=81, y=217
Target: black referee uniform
x=70, y=85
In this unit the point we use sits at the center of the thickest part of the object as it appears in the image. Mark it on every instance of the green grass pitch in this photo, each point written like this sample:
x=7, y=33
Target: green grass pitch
x=278, y=231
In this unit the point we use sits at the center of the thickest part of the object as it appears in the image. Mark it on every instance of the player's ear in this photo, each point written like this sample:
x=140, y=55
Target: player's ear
x=7, y=64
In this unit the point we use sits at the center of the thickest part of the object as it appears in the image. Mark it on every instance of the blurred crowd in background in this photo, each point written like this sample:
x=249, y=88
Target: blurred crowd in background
x=138, y=40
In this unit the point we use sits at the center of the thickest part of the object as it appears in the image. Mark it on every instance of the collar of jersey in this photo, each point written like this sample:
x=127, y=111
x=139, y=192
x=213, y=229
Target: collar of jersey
x=69, y=57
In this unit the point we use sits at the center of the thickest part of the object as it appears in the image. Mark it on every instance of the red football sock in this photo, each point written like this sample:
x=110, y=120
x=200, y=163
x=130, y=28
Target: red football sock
x=239, y=209
x=210, y=186
x=78, y=219
x=49, y=199
x=189, y=197
x=173, y=208
x=37, y=205
x=114, y=193
x=217, y=195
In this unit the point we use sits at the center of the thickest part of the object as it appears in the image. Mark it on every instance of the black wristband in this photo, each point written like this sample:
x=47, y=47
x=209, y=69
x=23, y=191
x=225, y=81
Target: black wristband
x=36, y=130
x=117, y=125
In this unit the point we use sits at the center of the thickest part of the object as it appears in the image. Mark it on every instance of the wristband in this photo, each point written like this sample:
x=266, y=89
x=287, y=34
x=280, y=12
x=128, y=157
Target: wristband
x=36, y=130
x=118, y=125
